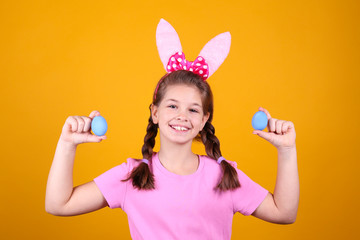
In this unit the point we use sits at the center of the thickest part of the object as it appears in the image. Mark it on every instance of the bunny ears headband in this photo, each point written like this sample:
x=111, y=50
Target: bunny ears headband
x=209, y=60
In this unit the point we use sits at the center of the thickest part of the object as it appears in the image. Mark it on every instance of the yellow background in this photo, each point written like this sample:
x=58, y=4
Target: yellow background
x=298, y=59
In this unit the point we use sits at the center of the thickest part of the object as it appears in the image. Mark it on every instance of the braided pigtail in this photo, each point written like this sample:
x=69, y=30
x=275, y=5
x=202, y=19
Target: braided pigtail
x=229, y=179
x=142, y=177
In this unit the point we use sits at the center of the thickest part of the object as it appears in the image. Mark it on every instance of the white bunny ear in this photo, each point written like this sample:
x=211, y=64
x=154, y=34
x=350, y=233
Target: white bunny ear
x=167, y=41
x=216, y=50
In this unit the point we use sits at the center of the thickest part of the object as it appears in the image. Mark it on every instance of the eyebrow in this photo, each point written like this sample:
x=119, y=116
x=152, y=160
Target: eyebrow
x=174, y=100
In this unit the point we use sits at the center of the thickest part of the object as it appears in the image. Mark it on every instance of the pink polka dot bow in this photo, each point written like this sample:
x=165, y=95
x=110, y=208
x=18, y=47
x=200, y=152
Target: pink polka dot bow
x=178, y=62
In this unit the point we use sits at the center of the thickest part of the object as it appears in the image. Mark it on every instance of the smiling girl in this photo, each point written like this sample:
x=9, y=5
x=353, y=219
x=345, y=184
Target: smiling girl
x=175, y=193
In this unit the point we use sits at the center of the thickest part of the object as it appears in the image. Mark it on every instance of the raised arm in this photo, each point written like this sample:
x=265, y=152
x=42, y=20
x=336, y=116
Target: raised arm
x=62, y=199
x=281, y=207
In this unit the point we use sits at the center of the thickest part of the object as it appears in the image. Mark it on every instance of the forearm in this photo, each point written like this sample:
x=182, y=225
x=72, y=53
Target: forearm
x=60, y=181
x=286, y=192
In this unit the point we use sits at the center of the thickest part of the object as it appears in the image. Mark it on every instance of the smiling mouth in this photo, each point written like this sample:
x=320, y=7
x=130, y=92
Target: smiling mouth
x=179, y=128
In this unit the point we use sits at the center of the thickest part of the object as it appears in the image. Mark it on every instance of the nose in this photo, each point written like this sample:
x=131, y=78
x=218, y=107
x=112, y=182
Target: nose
x=181, y=117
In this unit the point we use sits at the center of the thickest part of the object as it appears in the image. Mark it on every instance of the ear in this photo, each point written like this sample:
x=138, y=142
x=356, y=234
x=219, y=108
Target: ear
x=204, y=120
x=216, y=50
x=154, y=114
x=167, y=41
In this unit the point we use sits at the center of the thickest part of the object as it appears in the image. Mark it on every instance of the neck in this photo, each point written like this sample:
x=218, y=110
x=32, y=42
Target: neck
x=178, y=157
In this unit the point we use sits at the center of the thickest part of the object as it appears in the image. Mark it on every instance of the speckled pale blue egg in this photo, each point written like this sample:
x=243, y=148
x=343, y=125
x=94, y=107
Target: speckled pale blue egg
x=259, y=121
x=99, y=126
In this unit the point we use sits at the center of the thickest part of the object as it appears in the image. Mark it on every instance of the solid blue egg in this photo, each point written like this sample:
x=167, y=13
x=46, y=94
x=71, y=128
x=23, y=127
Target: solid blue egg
x=259, y=120
x=99, y=126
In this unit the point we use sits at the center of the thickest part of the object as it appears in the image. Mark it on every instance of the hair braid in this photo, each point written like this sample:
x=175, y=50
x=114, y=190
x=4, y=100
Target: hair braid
x=149, y=139
x=229, y=179
x=142, y=177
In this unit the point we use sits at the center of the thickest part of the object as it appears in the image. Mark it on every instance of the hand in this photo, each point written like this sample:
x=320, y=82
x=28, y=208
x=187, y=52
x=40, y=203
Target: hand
x=76, y=130
x=280, y=133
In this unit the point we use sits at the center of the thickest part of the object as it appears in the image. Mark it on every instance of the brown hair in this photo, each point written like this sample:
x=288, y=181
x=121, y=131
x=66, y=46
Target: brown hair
x=142, y=177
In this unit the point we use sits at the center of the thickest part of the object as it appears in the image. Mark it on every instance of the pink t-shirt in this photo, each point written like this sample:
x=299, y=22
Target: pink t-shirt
x=181, y=206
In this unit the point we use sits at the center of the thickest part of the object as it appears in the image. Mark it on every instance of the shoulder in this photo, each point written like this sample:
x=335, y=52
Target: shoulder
x=124, y=167
x=213, y=162
x=133, y=162
x=212, y=167
x=118, y=172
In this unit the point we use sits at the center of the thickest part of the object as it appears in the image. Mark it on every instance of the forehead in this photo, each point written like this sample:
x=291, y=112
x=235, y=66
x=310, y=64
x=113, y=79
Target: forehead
x=183, y=93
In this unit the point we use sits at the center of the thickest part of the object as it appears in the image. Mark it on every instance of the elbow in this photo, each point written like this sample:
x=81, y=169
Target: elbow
x=288, y=219
x=50, y=210
x=53, y=209
x=55, y=212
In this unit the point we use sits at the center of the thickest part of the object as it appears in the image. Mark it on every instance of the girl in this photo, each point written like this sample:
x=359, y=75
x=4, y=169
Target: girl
x=176, y=194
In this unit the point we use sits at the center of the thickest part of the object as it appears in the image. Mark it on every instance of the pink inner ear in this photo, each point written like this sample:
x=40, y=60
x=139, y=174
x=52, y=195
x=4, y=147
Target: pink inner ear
x=167, y=41
x=216, y=50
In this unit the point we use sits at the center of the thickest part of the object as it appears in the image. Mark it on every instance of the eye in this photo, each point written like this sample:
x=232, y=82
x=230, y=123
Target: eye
x=194, y=110
x=172, y=106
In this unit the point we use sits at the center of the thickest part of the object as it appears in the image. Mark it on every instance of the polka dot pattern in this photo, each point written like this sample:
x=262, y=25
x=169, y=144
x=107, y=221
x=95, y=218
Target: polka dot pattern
x=178, y=62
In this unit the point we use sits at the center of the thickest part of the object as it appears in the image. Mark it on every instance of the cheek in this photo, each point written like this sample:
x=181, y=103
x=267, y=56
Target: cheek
x=198, y=122
x=165, y=116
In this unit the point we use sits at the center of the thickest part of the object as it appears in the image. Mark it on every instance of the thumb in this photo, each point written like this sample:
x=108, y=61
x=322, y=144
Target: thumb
x=94, y=138
x=264, y=135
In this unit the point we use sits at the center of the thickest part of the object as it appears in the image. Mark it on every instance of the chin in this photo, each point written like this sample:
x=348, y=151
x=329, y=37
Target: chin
x=178, y=140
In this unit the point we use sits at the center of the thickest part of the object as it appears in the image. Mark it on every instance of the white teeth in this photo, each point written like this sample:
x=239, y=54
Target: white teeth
x=180, y=128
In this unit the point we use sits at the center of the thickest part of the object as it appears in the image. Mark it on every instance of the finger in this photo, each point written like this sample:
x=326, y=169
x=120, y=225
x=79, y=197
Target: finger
x=71, y=124
x=287, y=126
x=94, y=114
x=81, y=124
x=272, y=124
x=266, y=112
x=87, y=125
x=278, y=126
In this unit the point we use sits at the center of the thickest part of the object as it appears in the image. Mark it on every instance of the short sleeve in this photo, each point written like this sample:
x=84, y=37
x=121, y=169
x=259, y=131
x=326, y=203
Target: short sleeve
x=111, y=186
x=249, y=196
